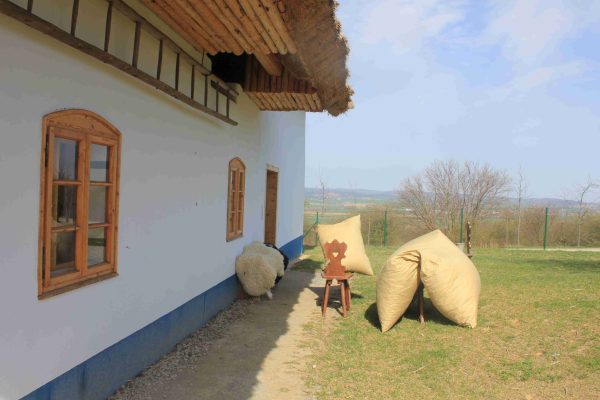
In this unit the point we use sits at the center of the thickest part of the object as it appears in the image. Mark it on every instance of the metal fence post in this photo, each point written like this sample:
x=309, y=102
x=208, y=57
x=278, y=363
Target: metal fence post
x=317, y=221
x=546, y=230
x=385, y=228
x=462, y=223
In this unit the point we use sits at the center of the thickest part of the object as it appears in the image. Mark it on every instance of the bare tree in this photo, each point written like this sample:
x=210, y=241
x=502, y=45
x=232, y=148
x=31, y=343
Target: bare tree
x=521, y=191
x=583, y=209
x=436, y=195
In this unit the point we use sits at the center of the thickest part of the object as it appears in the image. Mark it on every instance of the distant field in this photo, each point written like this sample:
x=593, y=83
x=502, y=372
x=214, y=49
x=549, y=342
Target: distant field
x=538, y=336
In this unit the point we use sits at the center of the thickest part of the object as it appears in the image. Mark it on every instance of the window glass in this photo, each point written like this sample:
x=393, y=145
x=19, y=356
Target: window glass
x=65, y=159
x=96, y=246
x=64, y=205
x=99, y=163
x=63, y=253
x=97, y=210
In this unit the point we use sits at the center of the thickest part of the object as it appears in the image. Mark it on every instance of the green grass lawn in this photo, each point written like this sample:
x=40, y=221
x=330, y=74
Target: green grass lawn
x=538, y=336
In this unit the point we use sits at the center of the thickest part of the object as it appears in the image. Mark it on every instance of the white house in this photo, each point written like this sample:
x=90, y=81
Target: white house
x=143, y=144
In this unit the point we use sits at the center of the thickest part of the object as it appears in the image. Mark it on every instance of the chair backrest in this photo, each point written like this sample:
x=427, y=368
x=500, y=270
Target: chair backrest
x=334, y=252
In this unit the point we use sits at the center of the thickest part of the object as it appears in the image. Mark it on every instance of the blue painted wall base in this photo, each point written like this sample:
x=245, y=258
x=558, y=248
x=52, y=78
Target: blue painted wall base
x=100, y=376
x=294, y=248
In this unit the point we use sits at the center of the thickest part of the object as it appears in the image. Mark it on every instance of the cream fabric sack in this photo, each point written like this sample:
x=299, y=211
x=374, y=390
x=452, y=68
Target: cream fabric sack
x=348, y=231
x=396, y=286
x=449, y=276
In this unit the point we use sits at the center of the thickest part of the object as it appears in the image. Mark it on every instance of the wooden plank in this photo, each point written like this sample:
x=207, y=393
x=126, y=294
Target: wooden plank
x=195, y=35
x=14, y=11
x=193, y=83
x=108, y=25
x=253, y=35
x=235, y=29
x=223, y=90
x=177, y=68
x=279, y=25
x=152, y=30
x=206, y=90
x=270, y=63
x=136, y=44
x=264, y=19
x=74, y=15
x=252, y=15
x=200, y=11
x=160, y=58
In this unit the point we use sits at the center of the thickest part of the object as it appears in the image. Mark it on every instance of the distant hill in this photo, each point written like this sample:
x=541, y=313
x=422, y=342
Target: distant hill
x=339, y=198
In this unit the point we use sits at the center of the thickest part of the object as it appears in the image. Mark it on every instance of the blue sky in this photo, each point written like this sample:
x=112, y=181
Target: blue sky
x=506, y=82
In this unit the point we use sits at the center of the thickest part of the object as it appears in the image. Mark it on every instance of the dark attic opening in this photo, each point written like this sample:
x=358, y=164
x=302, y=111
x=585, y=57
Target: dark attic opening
x=229, y=67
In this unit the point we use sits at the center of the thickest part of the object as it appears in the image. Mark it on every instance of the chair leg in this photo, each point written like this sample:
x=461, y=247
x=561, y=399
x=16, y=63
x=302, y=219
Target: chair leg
x=326, y=297
x=421, y=306
x=343, y=296
x=348, y=295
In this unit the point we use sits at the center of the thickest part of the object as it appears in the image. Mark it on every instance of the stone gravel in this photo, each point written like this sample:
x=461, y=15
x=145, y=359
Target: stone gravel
x=185, y=356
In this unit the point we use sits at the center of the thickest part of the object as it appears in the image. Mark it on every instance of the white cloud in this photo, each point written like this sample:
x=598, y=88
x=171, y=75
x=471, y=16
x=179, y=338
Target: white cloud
x=407, y=24
x=537, y=78
x=525, y=142
x=532, y=30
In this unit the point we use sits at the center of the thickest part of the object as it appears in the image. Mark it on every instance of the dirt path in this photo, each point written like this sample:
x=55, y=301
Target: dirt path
x=260, y=354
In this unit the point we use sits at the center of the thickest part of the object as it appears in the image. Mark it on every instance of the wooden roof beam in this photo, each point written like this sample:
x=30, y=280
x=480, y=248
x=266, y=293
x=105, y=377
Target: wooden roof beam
x=270, y=62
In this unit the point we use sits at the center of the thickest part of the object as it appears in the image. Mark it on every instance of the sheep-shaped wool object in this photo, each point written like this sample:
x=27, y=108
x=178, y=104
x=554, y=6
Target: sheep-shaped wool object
x=257, y=267
x=275, y=259
x=255, y=273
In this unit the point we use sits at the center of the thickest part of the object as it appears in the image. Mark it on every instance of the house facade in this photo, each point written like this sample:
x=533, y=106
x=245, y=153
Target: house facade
x=143, y=144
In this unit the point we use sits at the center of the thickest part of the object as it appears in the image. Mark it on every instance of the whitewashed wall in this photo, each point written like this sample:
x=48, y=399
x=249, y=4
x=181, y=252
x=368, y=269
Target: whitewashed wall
x=172, y=208
x=283, y=143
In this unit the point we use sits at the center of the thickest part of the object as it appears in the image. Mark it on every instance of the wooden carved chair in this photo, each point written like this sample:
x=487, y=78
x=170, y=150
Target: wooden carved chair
x=335, y=271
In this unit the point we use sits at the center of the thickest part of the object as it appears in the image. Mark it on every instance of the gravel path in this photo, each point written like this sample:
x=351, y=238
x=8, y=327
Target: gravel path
x=256, y=349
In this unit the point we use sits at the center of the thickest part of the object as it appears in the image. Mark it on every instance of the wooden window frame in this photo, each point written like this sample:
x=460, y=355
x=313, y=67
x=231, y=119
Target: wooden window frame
x=86, y=128
x=236, y=194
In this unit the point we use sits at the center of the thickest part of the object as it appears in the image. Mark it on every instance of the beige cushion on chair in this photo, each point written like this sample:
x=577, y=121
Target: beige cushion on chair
x=348, y=231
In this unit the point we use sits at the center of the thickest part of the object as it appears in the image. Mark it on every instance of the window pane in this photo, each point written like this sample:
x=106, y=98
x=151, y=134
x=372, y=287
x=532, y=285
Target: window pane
x=96, y=246
x=63, y=253
x=99, y=163
x=64, y=205
x=97, y=211
x=241, y=182
x=233, y=174
x=65, y=159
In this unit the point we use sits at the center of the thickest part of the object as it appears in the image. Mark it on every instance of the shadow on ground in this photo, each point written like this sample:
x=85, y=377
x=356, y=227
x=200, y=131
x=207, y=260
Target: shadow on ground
x=431, y=314
x=236, y=365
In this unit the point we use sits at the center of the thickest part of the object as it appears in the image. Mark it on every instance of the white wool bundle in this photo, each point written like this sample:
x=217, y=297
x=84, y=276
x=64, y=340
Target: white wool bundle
x=275, y=259
x=255, y=273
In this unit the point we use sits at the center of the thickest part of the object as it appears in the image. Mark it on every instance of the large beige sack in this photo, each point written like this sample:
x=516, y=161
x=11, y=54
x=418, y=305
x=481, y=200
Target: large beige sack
x=255, y=273
x=274, y=257
x=396, y=286
x=449, y=276
x=348, y=231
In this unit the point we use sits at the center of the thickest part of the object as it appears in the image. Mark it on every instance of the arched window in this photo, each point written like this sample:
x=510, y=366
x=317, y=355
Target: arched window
x=78, y=202
x=235, y=199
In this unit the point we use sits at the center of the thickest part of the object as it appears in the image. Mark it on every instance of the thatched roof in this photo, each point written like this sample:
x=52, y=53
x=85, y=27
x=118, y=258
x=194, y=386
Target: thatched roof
x=294, y=41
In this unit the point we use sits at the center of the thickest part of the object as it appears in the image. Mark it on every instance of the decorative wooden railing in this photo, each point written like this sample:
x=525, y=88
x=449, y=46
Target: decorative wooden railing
x=27, y=16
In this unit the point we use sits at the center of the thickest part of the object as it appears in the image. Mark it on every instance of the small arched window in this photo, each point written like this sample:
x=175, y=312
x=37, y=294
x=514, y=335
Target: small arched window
x=235, y=199
x=79, y=201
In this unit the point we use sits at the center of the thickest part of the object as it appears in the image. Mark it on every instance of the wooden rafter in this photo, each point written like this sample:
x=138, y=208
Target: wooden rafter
x=23, y=15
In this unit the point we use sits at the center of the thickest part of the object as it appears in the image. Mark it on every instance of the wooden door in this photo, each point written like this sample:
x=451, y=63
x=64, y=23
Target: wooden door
x=271, y=207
